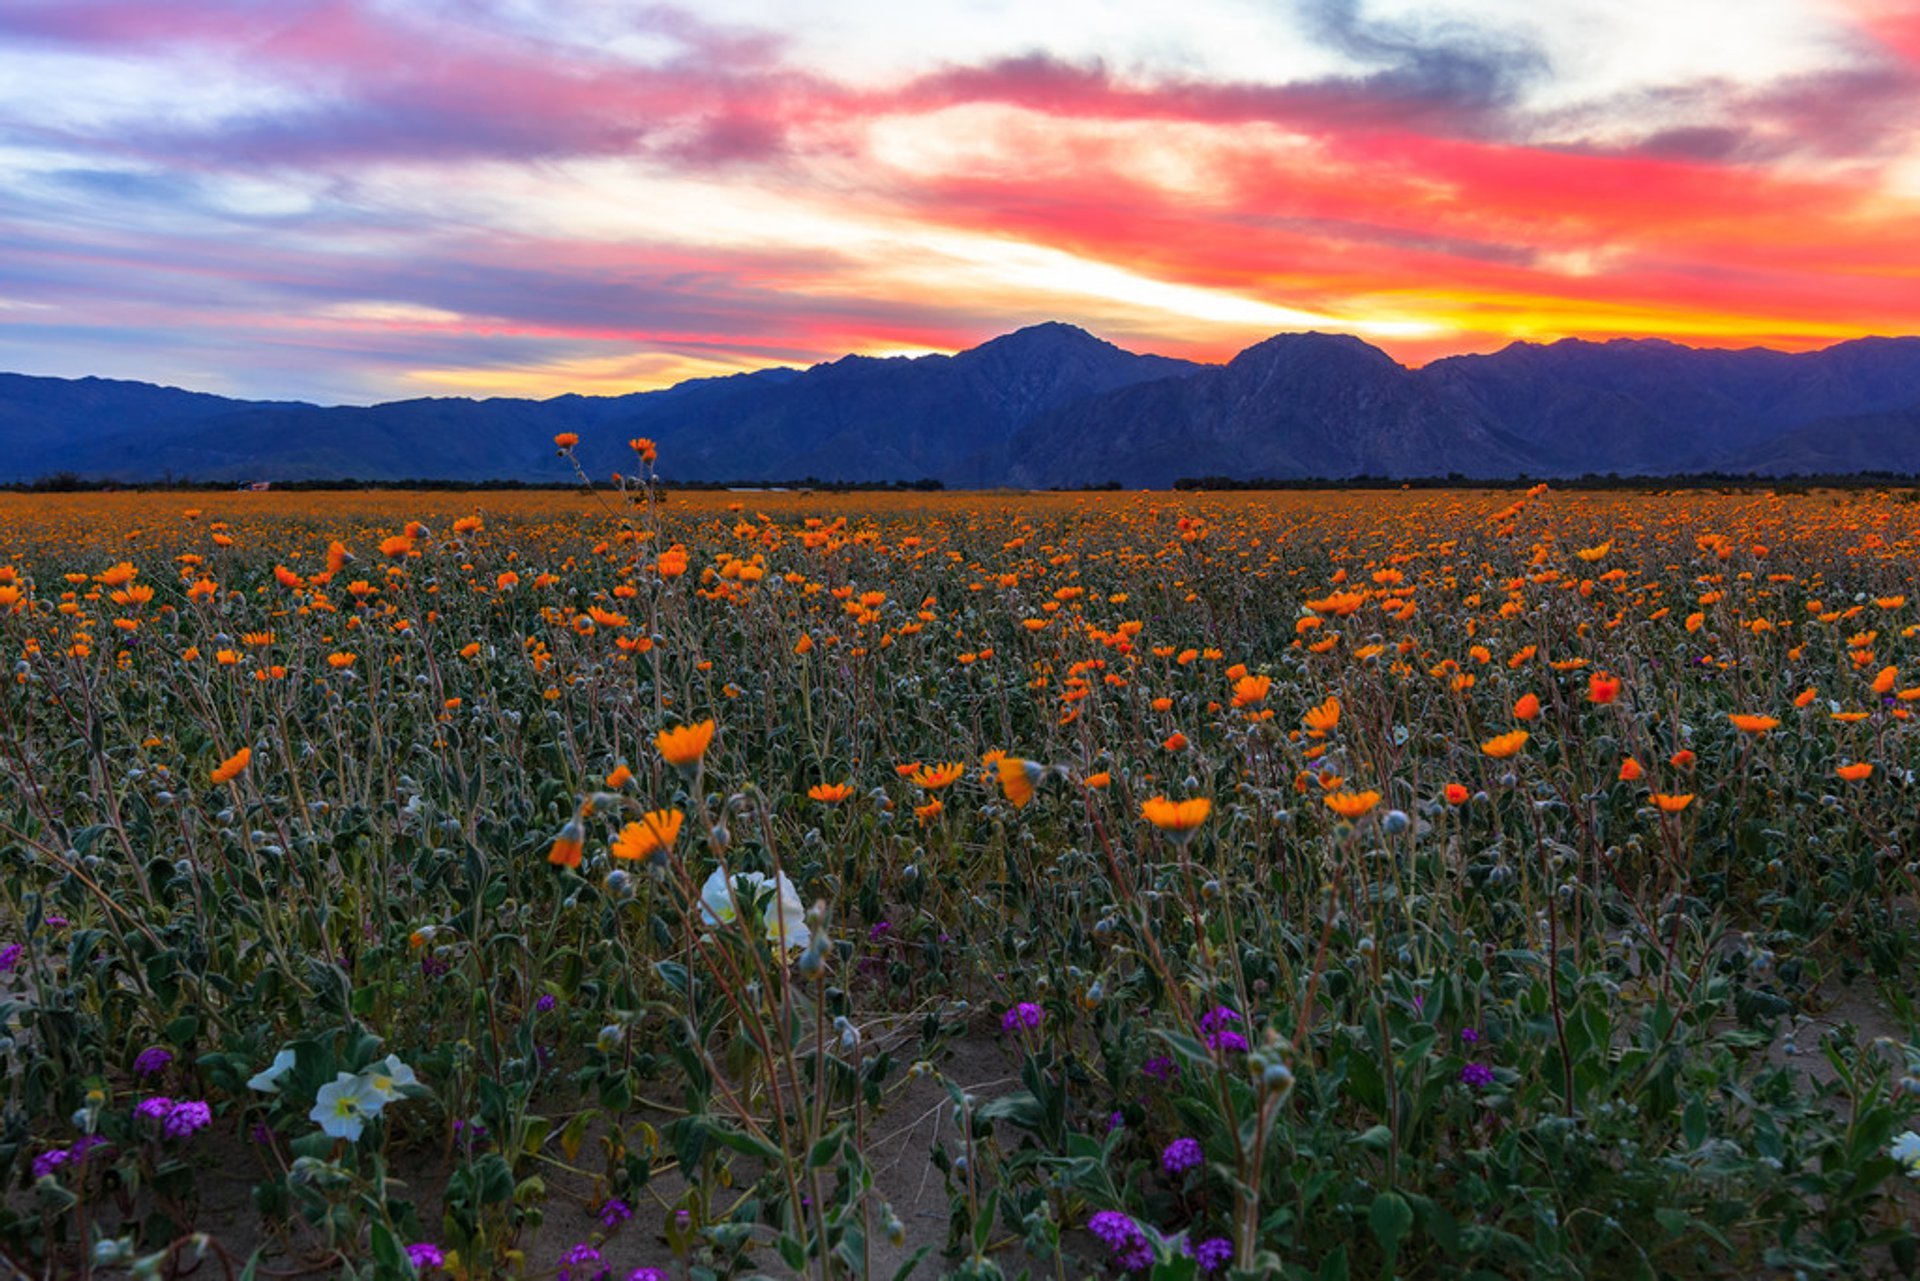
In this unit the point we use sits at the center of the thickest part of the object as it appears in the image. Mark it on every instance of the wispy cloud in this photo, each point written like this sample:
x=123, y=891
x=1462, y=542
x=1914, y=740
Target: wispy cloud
x=346, y=199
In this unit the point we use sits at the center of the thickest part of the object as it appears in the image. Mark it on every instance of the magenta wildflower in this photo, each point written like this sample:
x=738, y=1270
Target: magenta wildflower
x=1181, y=1155
x=47, y=1162
x=186, y=1117
x=10, y=957
x=1128, y=1245
x=1214, y=1025
x=1213, y=1254
x=647, y=1274
x=425, y=1255
x=155, y=1108
x=1477, y=1075
x=545, y=1002
x=614, y=1212
x=580, y=1264
x=1025, y=1015
x=1160, y=1068
x=151, y=1060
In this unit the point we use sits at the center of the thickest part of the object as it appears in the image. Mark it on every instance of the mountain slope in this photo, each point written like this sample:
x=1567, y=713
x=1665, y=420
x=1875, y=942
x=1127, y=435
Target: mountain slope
x=1049, y=405
x=1294, y=406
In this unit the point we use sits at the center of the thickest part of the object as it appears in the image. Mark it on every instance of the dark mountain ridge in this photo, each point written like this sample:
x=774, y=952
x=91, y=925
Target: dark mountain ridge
x=1049, y=405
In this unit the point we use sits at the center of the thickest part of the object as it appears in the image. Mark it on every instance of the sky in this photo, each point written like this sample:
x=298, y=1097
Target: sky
x=358, y=200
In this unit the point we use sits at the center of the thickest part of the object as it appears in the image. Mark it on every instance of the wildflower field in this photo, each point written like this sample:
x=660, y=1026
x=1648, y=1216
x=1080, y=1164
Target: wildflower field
x=1308, y=885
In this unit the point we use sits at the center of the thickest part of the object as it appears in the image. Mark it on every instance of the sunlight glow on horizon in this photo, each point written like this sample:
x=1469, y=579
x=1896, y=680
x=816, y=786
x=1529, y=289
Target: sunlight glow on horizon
x=285, y=200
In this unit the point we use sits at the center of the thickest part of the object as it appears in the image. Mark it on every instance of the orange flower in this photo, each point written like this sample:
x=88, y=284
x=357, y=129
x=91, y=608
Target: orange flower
x=1321, y=720
x=1504, y=745
x=928, y=812
x=1886, y=680
x=1175, y=742
x=397, y=546
x=566, y=440
x=1249, y=690
x=1100, y=780
x=655, y=832
x=1805, y=697
x=684, y=746
x=620, y=776
x=935, y=777
x=1018, y=778
x=645, y=448
x=1176, y=818
x=1630, y=770
x=829, y=793
x=1602, y=688
x=1855, y=772
x=1457, y=794
x=1748, y=724
x=1682, y=759
x=1352, y=805
x=567, y=845
x=1527, y=707
x=340, y=660
x=1671, y=804
x=234, y=766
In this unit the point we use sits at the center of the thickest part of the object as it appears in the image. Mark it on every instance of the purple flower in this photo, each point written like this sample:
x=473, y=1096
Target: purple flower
x=261, y=1134
x=1478, y=1075
x=1115, y=1120
x=432, y=967
x=185, y=1118
x=1228, y=1042
x=1181, y=1155
x=47, y=1162
x=85, y=1144
x=1024, y=1015
x=425, y=1255
x=1131, y=1250
x=1470, y=1035
x=545, y=1003
x=647, y=1274
x=1160, y=1068
x=155, y=1108
x=151, y=1060
x=1218, y=1017
x=1213, y=1254
x=614, y=1212
x=57, y=922
x=9, y=957
x=877, y=932
x=1214, y=1026
x=582, y=1257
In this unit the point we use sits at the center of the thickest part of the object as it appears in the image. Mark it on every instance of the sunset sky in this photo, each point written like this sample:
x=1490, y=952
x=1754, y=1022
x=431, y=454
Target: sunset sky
x=356, y=200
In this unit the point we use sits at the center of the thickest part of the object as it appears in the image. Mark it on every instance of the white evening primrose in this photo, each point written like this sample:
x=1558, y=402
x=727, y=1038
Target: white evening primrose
x=267, y=1079
x=785, y=917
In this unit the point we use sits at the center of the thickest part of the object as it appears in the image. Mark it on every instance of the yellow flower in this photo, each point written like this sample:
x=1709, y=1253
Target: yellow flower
x=1320, y=720
x=685, y=745
x=935, y=777
x=656, y=831
x=1351, y=805
x=234, y=766
x=1505, y=745
x=1018, y=778
x=1177, y=818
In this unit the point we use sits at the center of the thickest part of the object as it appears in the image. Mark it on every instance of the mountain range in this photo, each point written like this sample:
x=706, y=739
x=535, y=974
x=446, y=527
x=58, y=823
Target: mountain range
x=1049, y=405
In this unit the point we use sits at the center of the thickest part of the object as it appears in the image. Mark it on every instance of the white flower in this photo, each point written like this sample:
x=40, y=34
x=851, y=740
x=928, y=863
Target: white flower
x=1906, y=1150
x=342, y=1107
x=387, y=1077
x=786, y=919
x=267, y=1079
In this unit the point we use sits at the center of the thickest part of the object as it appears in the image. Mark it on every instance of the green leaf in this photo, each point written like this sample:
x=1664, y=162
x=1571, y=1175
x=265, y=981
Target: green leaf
x=1391, y=1218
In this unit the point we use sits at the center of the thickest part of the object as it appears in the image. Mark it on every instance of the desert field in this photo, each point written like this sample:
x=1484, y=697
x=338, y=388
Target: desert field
x=709, y=885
